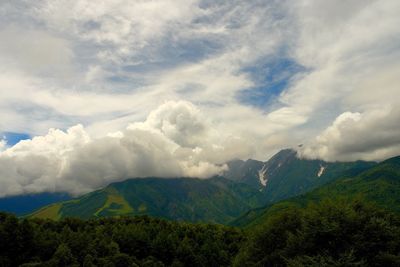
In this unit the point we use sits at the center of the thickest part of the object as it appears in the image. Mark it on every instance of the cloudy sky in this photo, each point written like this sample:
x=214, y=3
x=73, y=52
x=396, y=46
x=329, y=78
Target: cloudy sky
x=105, y=90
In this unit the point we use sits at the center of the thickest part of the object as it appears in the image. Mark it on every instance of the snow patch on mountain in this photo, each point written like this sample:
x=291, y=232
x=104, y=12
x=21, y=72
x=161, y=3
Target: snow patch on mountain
x=262, y=175
x=321, y=171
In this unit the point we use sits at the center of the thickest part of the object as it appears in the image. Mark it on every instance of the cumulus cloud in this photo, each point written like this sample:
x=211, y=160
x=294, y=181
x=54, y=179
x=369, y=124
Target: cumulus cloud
x=3, y=144
x=373, y=135
x=182, y=123
x=175, y=140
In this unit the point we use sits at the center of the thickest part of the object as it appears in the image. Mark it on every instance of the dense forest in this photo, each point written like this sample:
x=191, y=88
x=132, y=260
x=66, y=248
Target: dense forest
x=331, y=233
x=137, y=241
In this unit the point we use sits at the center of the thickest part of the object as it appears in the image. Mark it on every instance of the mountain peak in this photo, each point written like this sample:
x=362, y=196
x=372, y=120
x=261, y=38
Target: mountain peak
x=284, y=154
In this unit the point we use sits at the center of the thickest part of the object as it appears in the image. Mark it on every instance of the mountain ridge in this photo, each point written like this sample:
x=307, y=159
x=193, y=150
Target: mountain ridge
x=248, y=185
x=25, y=204
x=216, y=200
x=379, y=184
x=286, y=175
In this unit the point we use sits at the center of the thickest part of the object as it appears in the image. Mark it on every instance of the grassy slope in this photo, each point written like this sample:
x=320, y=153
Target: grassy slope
x=115, y=205
x=214, y=200
x=48, y=212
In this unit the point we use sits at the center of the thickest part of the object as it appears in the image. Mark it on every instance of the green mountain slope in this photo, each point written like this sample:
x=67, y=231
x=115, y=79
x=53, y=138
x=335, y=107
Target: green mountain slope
x=380, y=184
x=246, y=172
x=212, y=200
x=285, y=175
x=251, y=184
x=25, y=204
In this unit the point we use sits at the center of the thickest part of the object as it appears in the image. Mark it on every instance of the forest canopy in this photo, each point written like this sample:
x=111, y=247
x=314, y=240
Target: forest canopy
x=332, y=233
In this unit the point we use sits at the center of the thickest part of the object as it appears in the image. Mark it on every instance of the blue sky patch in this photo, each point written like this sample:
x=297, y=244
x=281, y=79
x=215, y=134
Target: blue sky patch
x=271, y=79
x=13, y=138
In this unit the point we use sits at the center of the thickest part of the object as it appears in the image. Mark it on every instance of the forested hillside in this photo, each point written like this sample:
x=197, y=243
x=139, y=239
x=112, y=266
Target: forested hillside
x=216, y=200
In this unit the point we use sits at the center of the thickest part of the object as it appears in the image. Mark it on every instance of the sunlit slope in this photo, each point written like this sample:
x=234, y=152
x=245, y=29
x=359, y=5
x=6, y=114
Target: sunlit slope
x=209, y=200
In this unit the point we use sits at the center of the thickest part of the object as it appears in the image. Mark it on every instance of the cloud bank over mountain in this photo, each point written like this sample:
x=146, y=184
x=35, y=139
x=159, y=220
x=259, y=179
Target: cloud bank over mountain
x=352, y=136
x=199, y=81
x=174, y=141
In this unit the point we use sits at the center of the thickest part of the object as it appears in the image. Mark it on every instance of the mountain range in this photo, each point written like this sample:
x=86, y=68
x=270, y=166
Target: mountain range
x=379, y=184
x=286, y=175
x=25, y=204
x=245, y=187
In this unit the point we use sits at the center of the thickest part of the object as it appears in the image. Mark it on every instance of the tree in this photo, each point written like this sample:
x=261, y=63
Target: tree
x=63, y=256
x=88, y=261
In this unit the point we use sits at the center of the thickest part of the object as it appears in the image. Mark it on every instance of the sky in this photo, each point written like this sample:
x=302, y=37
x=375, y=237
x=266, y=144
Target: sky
x=99, y=91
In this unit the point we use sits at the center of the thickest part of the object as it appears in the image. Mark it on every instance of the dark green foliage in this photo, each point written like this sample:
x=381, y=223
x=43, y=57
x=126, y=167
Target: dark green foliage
x=332, y=233
x=117, y=242
x=63, y=256
x=88, y=261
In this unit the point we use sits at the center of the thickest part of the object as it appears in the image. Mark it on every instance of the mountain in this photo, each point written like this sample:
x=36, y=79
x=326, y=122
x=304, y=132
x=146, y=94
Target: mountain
x=250, y=184
x=25, y=204
x=216, y=200
x=379, y=184
x=285, y=175
x=245, y=172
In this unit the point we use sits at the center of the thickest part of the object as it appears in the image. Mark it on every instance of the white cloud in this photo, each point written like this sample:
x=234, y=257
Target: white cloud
x=122, y=28
x=173, y=141
x=373, y=135
x=136, y=34
x=180, y=122
x=352, y=51
x=35, y=51
x=3, y=144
